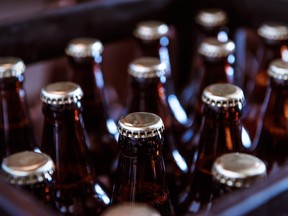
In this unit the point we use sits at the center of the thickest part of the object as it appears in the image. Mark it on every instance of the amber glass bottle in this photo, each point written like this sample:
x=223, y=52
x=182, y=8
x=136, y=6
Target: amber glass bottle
x=141, y=174
x=275, y=38
x=147, y=94
x=30, y=171
x=15, y=127
x=221, y=132
x=208, y=23
x=85, y=57
x=272, y=135
x=64, y=138
x=154, y=40
x=217, y=68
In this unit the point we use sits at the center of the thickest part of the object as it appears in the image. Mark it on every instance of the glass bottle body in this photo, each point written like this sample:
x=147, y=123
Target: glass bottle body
x=145, y=182
x=75, y=189
x=272, y=135
x=221, y=132
x=257, y=85
x=15, y=128
x=101, y=129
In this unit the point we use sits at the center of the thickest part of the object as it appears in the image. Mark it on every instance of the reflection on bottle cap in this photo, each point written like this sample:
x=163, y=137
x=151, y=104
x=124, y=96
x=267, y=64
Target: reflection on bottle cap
x=213, y=48
x=273, y=31
x=84, y=47
x=27, y=167
x=211, y=18
x=278, y=69
x=11, y=67
x=61, y=93
x=223, y=95
x=146, y=67
x=140, y=125
x=150, y=30
x=238, y=169
x=131, y=210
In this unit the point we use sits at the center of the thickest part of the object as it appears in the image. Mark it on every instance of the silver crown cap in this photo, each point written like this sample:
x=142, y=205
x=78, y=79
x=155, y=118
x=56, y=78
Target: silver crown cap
x=140, y=125
x=146, y=67
x=223, y=95
x=131, y=210
x=278, y=69
x=211, y=17
x=27, y=167
x=84, y=47
x=151, y=30
x=238, y=169
x=273, y=31
x=11, y=67
x=213, y=48
x=61, y=93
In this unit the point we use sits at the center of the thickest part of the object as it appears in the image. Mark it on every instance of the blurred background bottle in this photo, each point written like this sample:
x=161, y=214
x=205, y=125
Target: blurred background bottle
x=75, y=187
x=85, y=57
x=141, y=174
x=15, y=125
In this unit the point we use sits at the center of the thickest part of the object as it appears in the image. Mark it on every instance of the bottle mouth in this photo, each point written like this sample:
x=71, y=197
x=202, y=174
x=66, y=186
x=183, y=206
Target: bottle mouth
x=11, y=67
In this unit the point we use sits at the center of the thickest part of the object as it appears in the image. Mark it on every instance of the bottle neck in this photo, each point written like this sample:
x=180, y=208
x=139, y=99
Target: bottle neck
x=87, y=73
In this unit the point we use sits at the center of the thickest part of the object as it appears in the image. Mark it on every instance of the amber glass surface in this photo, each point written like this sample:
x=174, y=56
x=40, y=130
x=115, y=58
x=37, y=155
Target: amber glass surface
x=221, y=132
x=272, y=135
x=103, y=148
x=141, y=175
x=75, y=189
x=257, y=84
x=15, y=128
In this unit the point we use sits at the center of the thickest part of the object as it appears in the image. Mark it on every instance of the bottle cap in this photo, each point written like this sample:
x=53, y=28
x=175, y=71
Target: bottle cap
x=211, y=17
x=150, y=30
x=213, y=48
x=61, y=93
x=140, y=125
x=238, y=169
x=278, y=69
x=11, y=67
x=27, y=167
x=84, y=47
x=131, y=210
x=273, y=31
x=146, y=67
x=223, y=95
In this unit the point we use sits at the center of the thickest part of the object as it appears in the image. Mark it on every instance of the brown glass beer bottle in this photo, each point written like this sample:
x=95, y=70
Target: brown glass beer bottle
x=221, y=132
x=209, y=22
x=141, y=175
x=147, y=94
x=15, y=127
x=154, y=40
x=217, y=68
x=272, y=134
x=275, y=38
x=76, y=189
x=84, y=55
x=32, y=172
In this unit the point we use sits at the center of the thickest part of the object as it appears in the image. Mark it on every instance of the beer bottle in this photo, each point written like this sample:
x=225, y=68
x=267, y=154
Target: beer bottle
x=221, y=132
x=274, y=38
x=32, y=172
x=15, y=126
x=217, y=68
x=141, y=174
x=147, y=94
x=233, y=171
x=131, y=209
x=271, y=138
x=75, y=186
x=209, y=22
x=84, y=55
x=154, y=40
